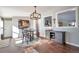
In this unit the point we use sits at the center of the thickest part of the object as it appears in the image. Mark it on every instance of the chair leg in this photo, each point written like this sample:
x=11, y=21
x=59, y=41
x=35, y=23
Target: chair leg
x=22, y=41
x=27, y=42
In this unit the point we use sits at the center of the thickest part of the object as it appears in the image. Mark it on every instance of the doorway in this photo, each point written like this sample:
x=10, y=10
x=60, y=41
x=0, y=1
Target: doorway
x=7, y=28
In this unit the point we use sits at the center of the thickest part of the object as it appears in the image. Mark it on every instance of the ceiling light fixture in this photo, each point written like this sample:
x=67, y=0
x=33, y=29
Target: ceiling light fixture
x=35, y=15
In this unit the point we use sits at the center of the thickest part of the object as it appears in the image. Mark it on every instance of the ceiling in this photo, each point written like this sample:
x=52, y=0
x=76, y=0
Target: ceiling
x=27, y=10
x=39, y=8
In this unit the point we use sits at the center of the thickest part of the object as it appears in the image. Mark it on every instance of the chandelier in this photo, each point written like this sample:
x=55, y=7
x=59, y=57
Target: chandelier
x=35, y=15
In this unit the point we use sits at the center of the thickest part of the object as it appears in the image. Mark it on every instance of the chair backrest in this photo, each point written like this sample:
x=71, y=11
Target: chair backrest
x=25, y=32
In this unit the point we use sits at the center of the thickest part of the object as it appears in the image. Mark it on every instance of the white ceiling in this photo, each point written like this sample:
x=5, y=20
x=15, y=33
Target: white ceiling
x=27, y=10
x=39, y=8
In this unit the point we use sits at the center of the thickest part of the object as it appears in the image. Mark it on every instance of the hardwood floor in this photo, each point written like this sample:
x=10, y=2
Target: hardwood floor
x=47, y=46
x=40, y=46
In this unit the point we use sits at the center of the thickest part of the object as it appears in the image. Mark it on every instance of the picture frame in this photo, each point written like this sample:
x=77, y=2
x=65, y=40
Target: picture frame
x=23, y=24
x=48, y=21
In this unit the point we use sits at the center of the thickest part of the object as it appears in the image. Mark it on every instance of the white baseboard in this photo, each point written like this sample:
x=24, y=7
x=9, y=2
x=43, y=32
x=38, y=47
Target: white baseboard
x=72, y=44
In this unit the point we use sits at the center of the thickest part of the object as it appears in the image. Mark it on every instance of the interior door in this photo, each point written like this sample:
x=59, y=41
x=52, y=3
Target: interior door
x=7, y=24
x=1, y=27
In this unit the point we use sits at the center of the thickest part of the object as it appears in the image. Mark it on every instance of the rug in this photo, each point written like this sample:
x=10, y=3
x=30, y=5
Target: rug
x=32, y=48
x=19, y=43
x=4, y=43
